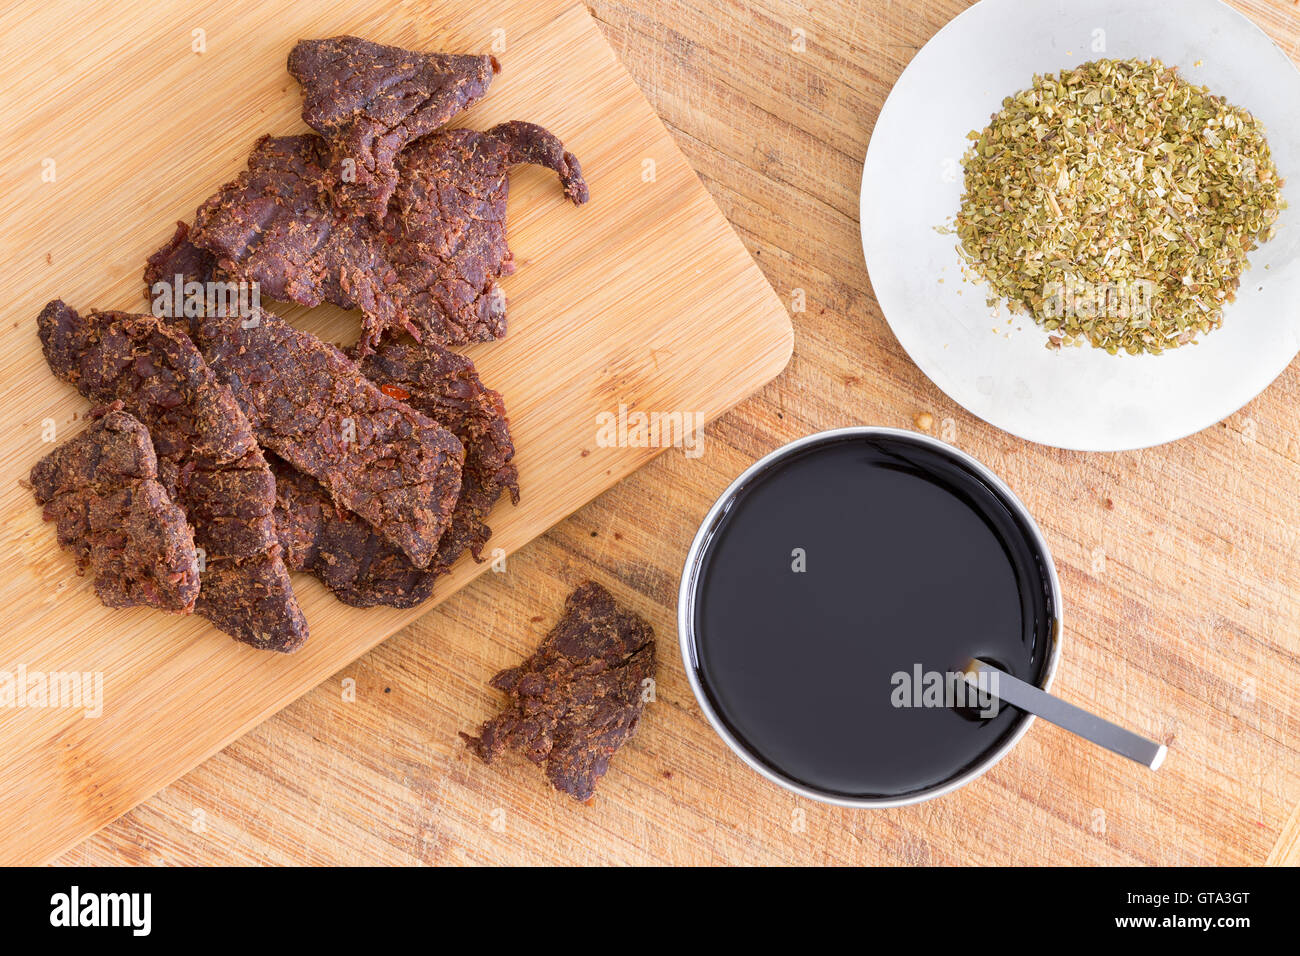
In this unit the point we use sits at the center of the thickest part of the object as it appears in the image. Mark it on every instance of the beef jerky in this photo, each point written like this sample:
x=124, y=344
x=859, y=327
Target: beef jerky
x=308, y=403
x=315, y=532
x=207, y=460
x=179, y=260
x=340, y=549
x=344, y=552
x=275, y=225
x=370, y=100
x=317, y=536
x=446, y=387
x=101, y=489
x=431, y=269
x=578, y=698
x=446, y=226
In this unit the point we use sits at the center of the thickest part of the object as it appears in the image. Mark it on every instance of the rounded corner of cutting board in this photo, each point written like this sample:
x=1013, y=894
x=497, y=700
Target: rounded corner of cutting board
x=779, y=328
x=786, y=351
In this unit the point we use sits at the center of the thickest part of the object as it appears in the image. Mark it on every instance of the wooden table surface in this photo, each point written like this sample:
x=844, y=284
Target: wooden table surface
x=1180, y=567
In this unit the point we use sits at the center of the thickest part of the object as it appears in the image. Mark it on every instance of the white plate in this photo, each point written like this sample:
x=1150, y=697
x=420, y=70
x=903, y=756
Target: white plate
x=1080, y=398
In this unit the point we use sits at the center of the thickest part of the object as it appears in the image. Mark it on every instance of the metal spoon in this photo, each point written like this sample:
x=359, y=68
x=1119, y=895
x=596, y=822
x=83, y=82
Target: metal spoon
x=1035, y=700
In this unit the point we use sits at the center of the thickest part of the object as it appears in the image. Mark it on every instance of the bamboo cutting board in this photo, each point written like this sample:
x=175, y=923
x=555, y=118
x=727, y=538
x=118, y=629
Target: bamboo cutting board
x=122, y=122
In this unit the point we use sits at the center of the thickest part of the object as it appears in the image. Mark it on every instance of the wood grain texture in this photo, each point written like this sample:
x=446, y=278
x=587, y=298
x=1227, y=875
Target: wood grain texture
x=1179, y=566
x=643, y=297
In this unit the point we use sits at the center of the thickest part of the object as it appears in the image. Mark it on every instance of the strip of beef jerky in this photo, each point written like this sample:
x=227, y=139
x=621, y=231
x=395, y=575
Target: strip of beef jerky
x=275, y=225
x=207, y=460
x=578, y=698
x=336, y=546
x=101, y=489
x=345, y=553
x=430, y=270
x=446, y=387
x=380, y=459
x=371, y=100
x=317, y=536
x=179, y=261
x=446, y=226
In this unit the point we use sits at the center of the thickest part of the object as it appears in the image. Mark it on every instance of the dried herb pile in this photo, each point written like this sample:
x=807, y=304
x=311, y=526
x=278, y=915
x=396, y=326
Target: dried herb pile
x=1116, y=203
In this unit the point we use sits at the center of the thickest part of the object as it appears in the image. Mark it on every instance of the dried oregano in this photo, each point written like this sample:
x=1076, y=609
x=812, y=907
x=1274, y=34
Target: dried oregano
x=1116, y=203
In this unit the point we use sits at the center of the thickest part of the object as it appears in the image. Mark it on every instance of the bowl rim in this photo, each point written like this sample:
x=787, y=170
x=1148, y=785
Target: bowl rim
x=686, y=604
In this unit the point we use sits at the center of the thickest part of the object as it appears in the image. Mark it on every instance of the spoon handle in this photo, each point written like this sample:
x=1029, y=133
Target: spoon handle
x=1035, y=700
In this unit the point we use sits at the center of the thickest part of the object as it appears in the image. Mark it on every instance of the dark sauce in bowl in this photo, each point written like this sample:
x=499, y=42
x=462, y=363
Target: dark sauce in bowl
x=842, y=564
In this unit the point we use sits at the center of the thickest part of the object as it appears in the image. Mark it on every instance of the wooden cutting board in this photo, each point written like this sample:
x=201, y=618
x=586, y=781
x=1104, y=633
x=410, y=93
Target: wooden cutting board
x=120, y=122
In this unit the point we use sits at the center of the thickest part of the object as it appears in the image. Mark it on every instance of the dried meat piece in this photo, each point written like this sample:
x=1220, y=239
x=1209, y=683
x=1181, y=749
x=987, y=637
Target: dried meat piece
x=343, y=551
x=379, y=458
x=446, y=226
x=446, y=387
x=207, y=460
x=317, y=536
x=431, y=269
x=370, y=100
x=311, y=405
x=179, y=261
x=275, y=225
x=579, y=697
x=101, y=489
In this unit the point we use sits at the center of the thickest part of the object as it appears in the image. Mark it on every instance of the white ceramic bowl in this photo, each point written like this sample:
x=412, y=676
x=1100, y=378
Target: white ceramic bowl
x=1080, y=398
